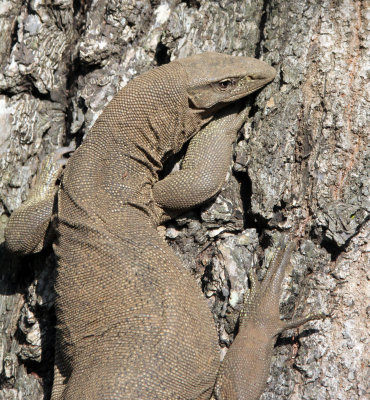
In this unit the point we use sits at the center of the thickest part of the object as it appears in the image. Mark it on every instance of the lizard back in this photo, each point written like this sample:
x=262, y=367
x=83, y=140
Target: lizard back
x=128, y=312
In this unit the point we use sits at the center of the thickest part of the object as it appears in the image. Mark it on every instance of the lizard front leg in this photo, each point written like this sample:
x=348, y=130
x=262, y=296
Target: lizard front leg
x=28, y=229
x=244, y=371
x=205, y=166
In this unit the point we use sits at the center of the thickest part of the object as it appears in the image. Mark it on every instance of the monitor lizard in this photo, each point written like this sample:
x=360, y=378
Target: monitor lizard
x=131, y=321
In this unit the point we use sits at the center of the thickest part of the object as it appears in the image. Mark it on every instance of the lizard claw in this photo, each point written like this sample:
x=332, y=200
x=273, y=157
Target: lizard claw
x=297, y=322
x=63, y=150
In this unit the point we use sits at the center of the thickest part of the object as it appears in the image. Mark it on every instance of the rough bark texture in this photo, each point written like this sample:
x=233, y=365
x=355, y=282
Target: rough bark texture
x=301, y=165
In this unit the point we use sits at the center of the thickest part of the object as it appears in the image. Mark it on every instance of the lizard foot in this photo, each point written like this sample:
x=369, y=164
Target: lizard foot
x=264, y=297
x=29, y=228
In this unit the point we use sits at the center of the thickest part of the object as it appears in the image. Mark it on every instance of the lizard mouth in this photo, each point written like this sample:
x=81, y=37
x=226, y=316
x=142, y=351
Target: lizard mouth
x=249, y=84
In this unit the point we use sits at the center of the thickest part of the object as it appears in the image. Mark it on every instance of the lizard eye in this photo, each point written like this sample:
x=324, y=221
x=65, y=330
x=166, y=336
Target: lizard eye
x=226, y=83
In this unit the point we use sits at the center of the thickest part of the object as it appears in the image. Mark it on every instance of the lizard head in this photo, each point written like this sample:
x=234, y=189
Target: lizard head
x=216, y=79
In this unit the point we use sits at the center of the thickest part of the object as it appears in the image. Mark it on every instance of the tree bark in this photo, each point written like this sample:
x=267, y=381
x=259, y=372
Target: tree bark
x=300, y=167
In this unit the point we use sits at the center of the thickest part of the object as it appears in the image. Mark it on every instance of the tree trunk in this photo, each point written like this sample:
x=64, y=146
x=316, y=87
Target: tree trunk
x=300, y=167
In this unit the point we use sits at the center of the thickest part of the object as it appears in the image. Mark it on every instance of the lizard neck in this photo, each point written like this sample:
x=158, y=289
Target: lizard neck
x=151, y=114
x=145, y=122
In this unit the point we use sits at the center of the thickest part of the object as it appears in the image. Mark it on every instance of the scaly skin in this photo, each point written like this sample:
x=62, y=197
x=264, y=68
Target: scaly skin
x=131, y=321
x=29, y=228
x=259, y=327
